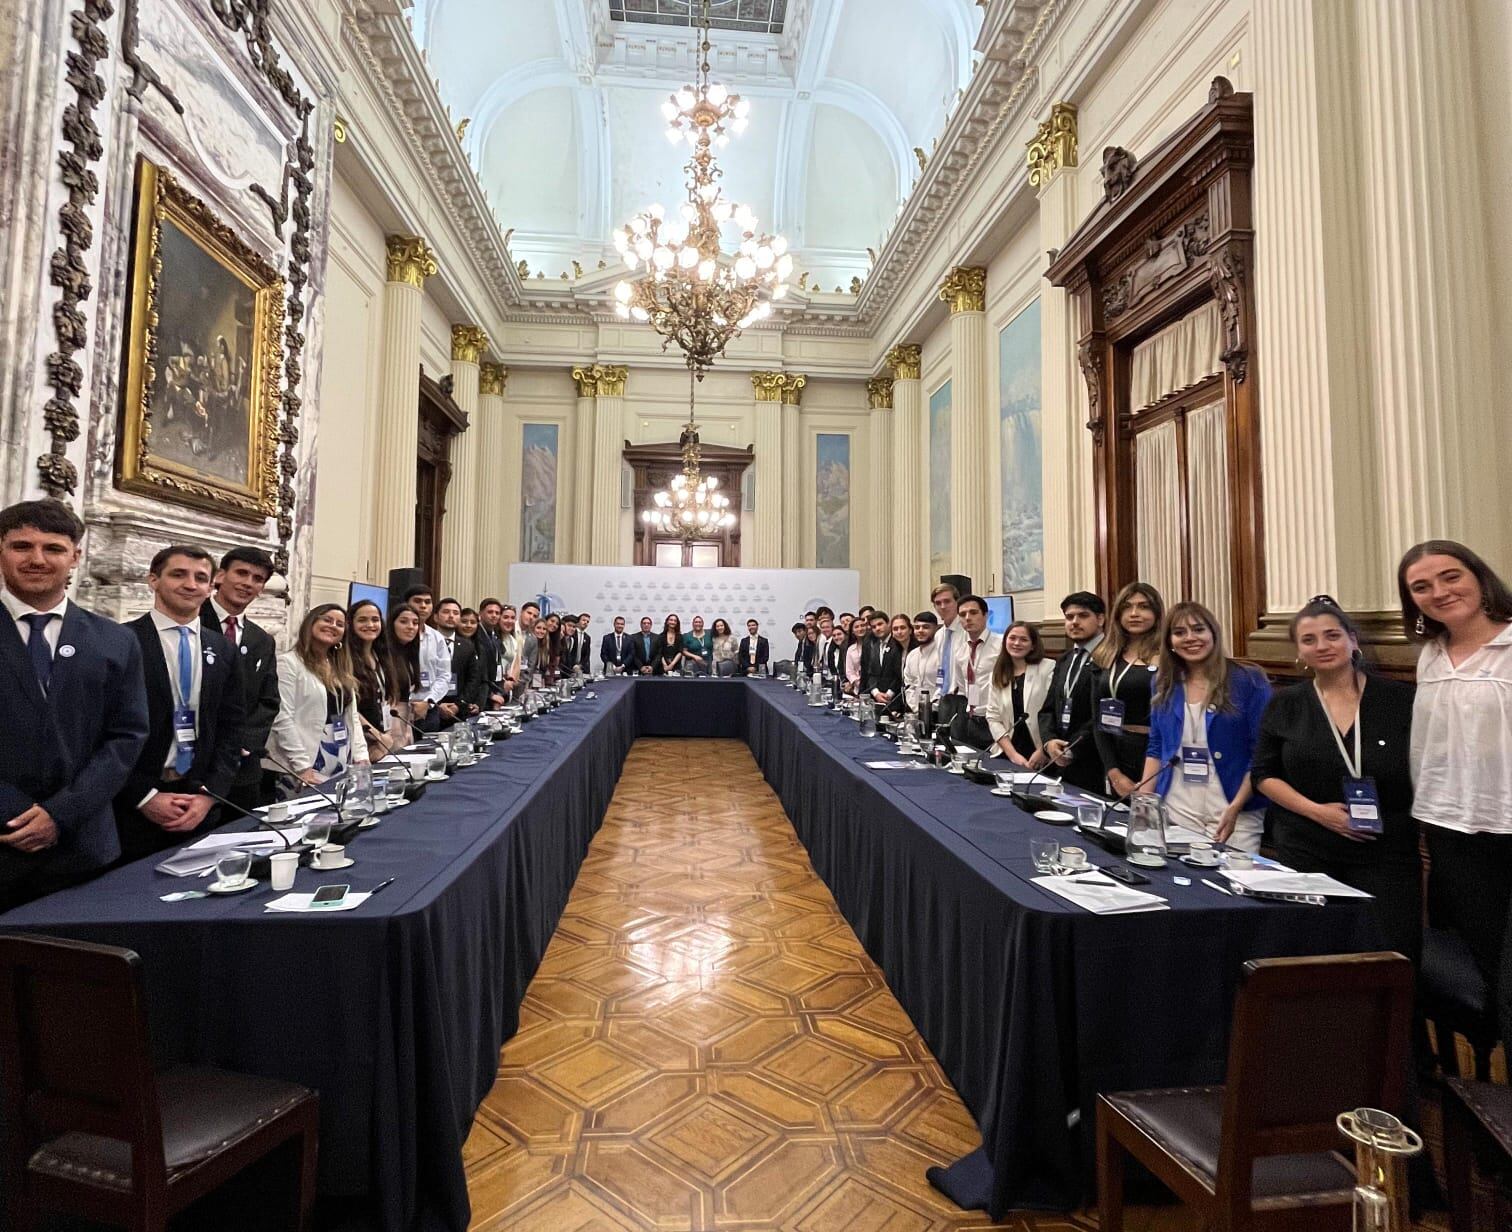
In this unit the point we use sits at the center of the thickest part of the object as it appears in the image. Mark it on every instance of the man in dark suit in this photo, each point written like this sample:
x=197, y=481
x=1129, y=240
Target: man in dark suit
x=616, y=650
x=75, y=716
x=644, y=646
x=194, y=710
x=238, y=584
x=490, y=645
x=755, y=651
x=872, y=648
x=1069, y=710
x=585, y=644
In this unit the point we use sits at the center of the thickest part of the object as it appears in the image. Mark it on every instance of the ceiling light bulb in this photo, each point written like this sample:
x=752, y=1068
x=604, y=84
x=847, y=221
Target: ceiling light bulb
x=631, y=260
x=622, y=292
x=684, y=98
x=779, y=244
x=717, y=94
x=721, y=141
x=622, y=311
x=669, y=110
x=712, y=482
x=688, y=257
x=657, y=211
x=739, y=126
x=780, y=292
x=640, y=314
x=706, y=270
x=784, y=263
x=721, y=210
x=692, y=136
x=745, y=267
x=663, y=258
x=674, y=135
x=742, y=108
x=764, y=258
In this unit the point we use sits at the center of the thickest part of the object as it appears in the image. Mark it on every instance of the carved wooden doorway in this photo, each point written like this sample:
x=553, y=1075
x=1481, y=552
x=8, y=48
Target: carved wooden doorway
x=653, y=467
x=440, y=420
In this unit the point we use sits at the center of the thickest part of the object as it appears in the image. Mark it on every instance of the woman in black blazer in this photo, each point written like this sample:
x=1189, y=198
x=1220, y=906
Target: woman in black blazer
x=1122, y=687
x=887, y=673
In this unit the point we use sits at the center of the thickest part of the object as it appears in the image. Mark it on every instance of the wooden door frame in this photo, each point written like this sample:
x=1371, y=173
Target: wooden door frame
x=655, y=464
x=440, y=419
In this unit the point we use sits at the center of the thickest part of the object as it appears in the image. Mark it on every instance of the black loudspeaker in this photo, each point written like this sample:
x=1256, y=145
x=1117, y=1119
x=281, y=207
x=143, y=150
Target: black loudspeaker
x=400, y=580
x=960, y=581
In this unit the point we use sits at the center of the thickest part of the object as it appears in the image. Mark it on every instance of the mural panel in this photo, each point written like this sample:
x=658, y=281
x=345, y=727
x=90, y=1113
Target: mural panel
x=939, y=481
x=538, y=493
x=1020, y=433
x=832, y=525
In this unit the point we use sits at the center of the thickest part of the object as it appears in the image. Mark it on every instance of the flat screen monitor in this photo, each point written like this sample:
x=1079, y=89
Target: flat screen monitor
x=368, y=590
x=999, y=613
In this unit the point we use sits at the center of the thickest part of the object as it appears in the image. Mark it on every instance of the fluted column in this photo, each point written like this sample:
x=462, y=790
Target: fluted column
x=608, y=455
x=793, y=471
x=909, y=535
x=879, y=393
x=766, y=415
x=410, y=263
x=581, y=534
x=491, y=568
x=459, y=545
x=971, y=426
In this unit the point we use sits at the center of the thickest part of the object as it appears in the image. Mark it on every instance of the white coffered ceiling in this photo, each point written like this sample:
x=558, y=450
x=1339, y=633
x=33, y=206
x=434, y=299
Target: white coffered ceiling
x=566, y=133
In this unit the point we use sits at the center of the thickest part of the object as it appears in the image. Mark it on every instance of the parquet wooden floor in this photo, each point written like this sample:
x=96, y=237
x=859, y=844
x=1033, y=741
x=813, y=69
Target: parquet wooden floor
x=707, y=1046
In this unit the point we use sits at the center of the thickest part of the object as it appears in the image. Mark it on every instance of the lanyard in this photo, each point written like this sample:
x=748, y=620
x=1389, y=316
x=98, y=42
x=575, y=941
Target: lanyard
x=1194, y=712
x=1116, y=677
x=1354, y=767
x=1076, y=675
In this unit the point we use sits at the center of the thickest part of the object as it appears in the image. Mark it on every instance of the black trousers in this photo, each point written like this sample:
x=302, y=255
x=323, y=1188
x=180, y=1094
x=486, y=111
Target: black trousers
x=1395, y=883
x=1469, y=891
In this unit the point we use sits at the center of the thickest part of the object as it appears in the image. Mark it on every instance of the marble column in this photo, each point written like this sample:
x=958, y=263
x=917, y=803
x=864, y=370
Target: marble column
x=585, y=376
x=459, y=546
x=410, y=263
x=608, y=460
x=764, y=548
x=491, y=566
x=878, y=580
x=972, y=533
x=1066, y=468
x=793, y=470
x=910, y=458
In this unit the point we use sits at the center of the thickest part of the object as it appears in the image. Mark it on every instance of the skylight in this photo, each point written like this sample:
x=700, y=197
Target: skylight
x=751, y=16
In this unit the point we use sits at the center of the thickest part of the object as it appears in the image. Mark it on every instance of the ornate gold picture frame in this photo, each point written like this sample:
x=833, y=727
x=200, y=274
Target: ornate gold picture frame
x=199, y=424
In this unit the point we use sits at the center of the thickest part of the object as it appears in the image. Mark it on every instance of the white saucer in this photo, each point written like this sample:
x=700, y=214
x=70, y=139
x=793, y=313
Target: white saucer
x=1001, y=791
x=369, y=822
x=1054, y=817
x=1201, y=863
x=219, y=887
x=955, y=770
x=332, y=868
x=434, y=778
x=1147, y=861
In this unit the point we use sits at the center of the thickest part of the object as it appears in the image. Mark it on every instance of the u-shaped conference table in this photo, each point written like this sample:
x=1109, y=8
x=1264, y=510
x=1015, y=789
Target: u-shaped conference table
x=395, y=1012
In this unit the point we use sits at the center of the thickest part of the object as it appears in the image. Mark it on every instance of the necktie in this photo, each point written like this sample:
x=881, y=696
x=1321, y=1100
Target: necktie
x=231, y=629
x=37, y=648
x=945, y=661
x=183, y=757
x=971, y=662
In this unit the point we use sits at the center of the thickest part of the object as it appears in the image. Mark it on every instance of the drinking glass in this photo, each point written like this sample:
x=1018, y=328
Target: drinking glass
x=381, y=776
x=231, y=869
x=317, y=831
x=816, y=691
x=1089, y=816
x=1147, y=832
x=1044, y=852
x=398, y=781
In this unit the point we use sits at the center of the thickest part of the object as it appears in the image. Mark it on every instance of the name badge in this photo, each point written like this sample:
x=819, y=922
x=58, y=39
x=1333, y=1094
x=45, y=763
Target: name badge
x=338, y=731
x=1363, y=804
x=1195, y=767
x=424, y=679
x=183, y=728
x=1110, y=715
x=1065, y=714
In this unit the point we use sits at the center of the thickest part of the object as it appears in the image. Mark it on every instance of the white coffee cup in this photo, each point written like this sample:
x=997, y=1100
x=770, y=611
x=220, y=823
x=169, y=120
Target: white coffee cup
x=1072, y=858
x=278, y=812
x=1202, y=853
x=330, y=855
x=282, y=866
x=1238, y=860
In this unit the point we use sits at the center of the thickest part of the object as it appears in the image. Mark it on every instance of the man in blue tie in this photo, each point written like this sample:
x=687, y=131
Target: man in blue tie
x=75, y=716
x=194, y=705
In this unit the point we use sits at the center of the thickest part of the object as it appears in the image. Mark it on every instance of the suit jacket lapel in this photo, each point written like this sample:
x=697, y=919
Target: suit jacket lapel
x=17, y=659
x=154, y=668
x=69, y=635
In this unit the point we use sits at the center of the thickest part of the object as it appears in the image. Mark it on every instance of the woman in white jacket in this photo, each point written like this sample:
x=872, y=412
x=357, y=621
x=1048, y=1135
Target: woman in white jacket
x=1020, y=684
x=317, y=732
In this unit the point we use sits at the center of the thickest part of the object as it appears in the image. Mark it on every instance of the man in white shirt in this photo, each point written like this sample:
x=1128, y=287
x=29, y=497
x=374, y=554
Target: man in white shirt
x=239, y=582
x=435, y=660
x=448, y=615
x=615, y=650
x=921, y=669
x=945, y=599
x=972, y=659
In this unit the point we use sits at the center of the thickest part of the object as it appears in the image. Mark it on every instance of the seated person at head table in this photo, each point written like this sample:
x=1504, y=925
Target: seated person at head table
x=921, y=669
x=194, y=709
x=403, y=726
x=316, y=736
x=370, y=666
x=1204, y=725
x=75, y=719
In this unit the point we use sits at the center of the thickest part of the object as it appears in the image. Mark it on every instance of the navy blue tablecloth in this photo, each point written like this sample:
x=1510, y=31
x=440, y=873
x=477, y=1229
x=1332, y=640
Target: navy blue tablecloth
x=709, y=706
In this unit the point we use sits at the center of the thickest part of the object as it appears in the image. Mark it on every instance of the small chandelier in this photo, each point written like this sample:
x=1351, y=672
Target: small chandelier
x=691, y=292
x=690, y=506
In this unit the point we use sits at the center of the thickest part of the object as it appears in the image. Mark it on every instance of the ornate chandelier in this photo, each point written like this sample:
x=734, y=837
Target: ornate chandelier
x=690, y=506
x=691, y=292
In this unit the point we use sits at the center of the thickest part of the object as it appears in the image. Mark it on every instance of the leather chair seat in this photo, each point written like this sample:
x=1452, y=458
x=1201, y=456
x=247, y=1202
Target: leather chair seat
x=1187, y=1121
x=1491, y=1105
x=203, y=1111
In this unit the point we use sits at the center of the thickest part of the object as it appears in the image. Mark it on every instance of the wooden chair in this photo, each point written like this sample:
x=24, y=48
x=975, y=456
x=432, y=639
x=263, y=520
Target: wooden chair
x=1477, y=1138
x=1312, y=1037
x=90, y=1131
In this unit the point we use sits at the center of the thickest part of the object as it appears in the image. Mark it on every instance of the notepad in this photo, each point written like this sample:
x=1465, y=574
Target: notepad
x=1275, y=881
x=301, y=903
x=1101, y=895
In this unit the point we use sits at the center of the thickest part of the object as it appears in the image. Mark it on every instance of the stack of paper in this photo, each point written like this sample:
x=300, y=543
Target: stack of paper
x=1101, y=895
x=298, y=808
x=301, y=902
x=1278, y=882
x=200, y=857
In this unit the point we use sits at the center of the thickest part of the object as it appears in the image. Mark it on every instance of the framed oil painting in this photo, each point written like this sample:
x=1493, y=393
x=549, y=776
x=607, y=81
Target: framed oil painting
x=199, y=423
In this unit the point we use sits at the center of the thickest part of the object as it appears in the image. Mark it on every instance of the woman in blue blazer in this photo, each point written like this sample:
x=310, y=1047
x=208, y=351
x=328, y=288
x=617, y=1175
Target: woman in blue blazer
x=1204, y=724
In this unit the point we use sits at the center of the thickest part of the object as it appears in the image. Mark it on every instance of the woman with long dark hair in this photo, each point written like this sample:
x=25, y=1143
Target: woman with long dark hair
x=1020, y=684
x=1461, y=756
x=726, y=647
x=403, y=638
x=317, y=729
x=667, y=655
x=1123, y=684
x=370, y=667
x=1204, y=722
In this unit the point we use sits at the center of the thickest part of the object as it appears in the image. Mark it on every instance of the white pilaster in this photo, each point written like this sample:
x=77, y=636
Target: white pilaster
x=765, y=544
x=608, y=456
x=879, y=550
x=910, y=568
x=972, y=536
x=459, y=545
x=491, y=568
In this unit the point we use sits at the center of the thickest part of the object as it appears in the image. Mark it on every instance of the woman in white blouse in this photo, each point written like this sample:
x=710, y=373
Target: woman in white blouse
x=317, y=733
x=1020, y=684
x=1462, y=743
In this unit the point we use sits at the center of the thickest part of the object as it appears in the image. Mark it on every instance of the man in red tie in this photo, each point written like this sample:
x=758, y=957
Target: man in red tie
x=239, y=582
x=975, y=652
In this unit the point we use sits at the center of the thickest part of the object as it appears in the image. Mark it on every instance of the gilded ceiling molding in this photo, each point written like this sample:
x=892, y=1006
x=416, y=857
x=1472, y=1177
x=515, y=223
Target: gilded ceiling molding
x=965, y=289
x=611, y=379
x=491, y=379
x=468, y=344
x=768, y=386
x=410, y=260
x=792, y=388
x=1054, y=145
x=879, y=392
x=906, y=361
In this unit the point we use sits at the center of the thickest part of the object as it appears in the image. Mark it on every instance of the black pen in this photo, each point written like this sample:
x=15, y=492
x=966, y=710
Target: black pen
x=388, y=881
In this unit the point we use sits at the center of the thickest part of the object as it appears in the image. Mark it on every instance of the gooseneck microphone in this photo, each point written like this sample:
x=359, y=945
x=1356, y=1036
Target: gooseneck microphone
x=1070, y=745
x=294, y=774
x=261, y=821
x=1170, y=761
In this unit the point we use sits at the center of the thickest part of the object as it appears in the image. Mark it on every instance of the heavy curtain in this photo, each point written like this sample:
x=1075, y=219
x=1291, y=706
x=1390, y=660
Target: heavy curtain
x=1177, y=357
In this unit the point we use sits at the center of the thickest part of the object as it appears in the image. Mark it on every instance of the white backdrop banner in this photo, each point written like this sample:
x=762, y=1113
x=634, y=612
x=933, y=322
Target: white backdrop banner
x=775, y=597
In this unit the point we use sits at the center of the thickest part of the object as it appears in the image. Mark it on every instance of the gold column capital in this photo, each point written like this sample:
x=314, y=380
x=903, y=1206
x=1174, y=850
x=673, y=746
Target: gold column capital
x=611, y=379
x=586, y=376
x=907, y=361
x=410, y=260
x=792, y=388
x=879, y=391
x=768, y=386
x=1054, y=144
x=965, y=289
x=491, y=379
x=468, y=343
